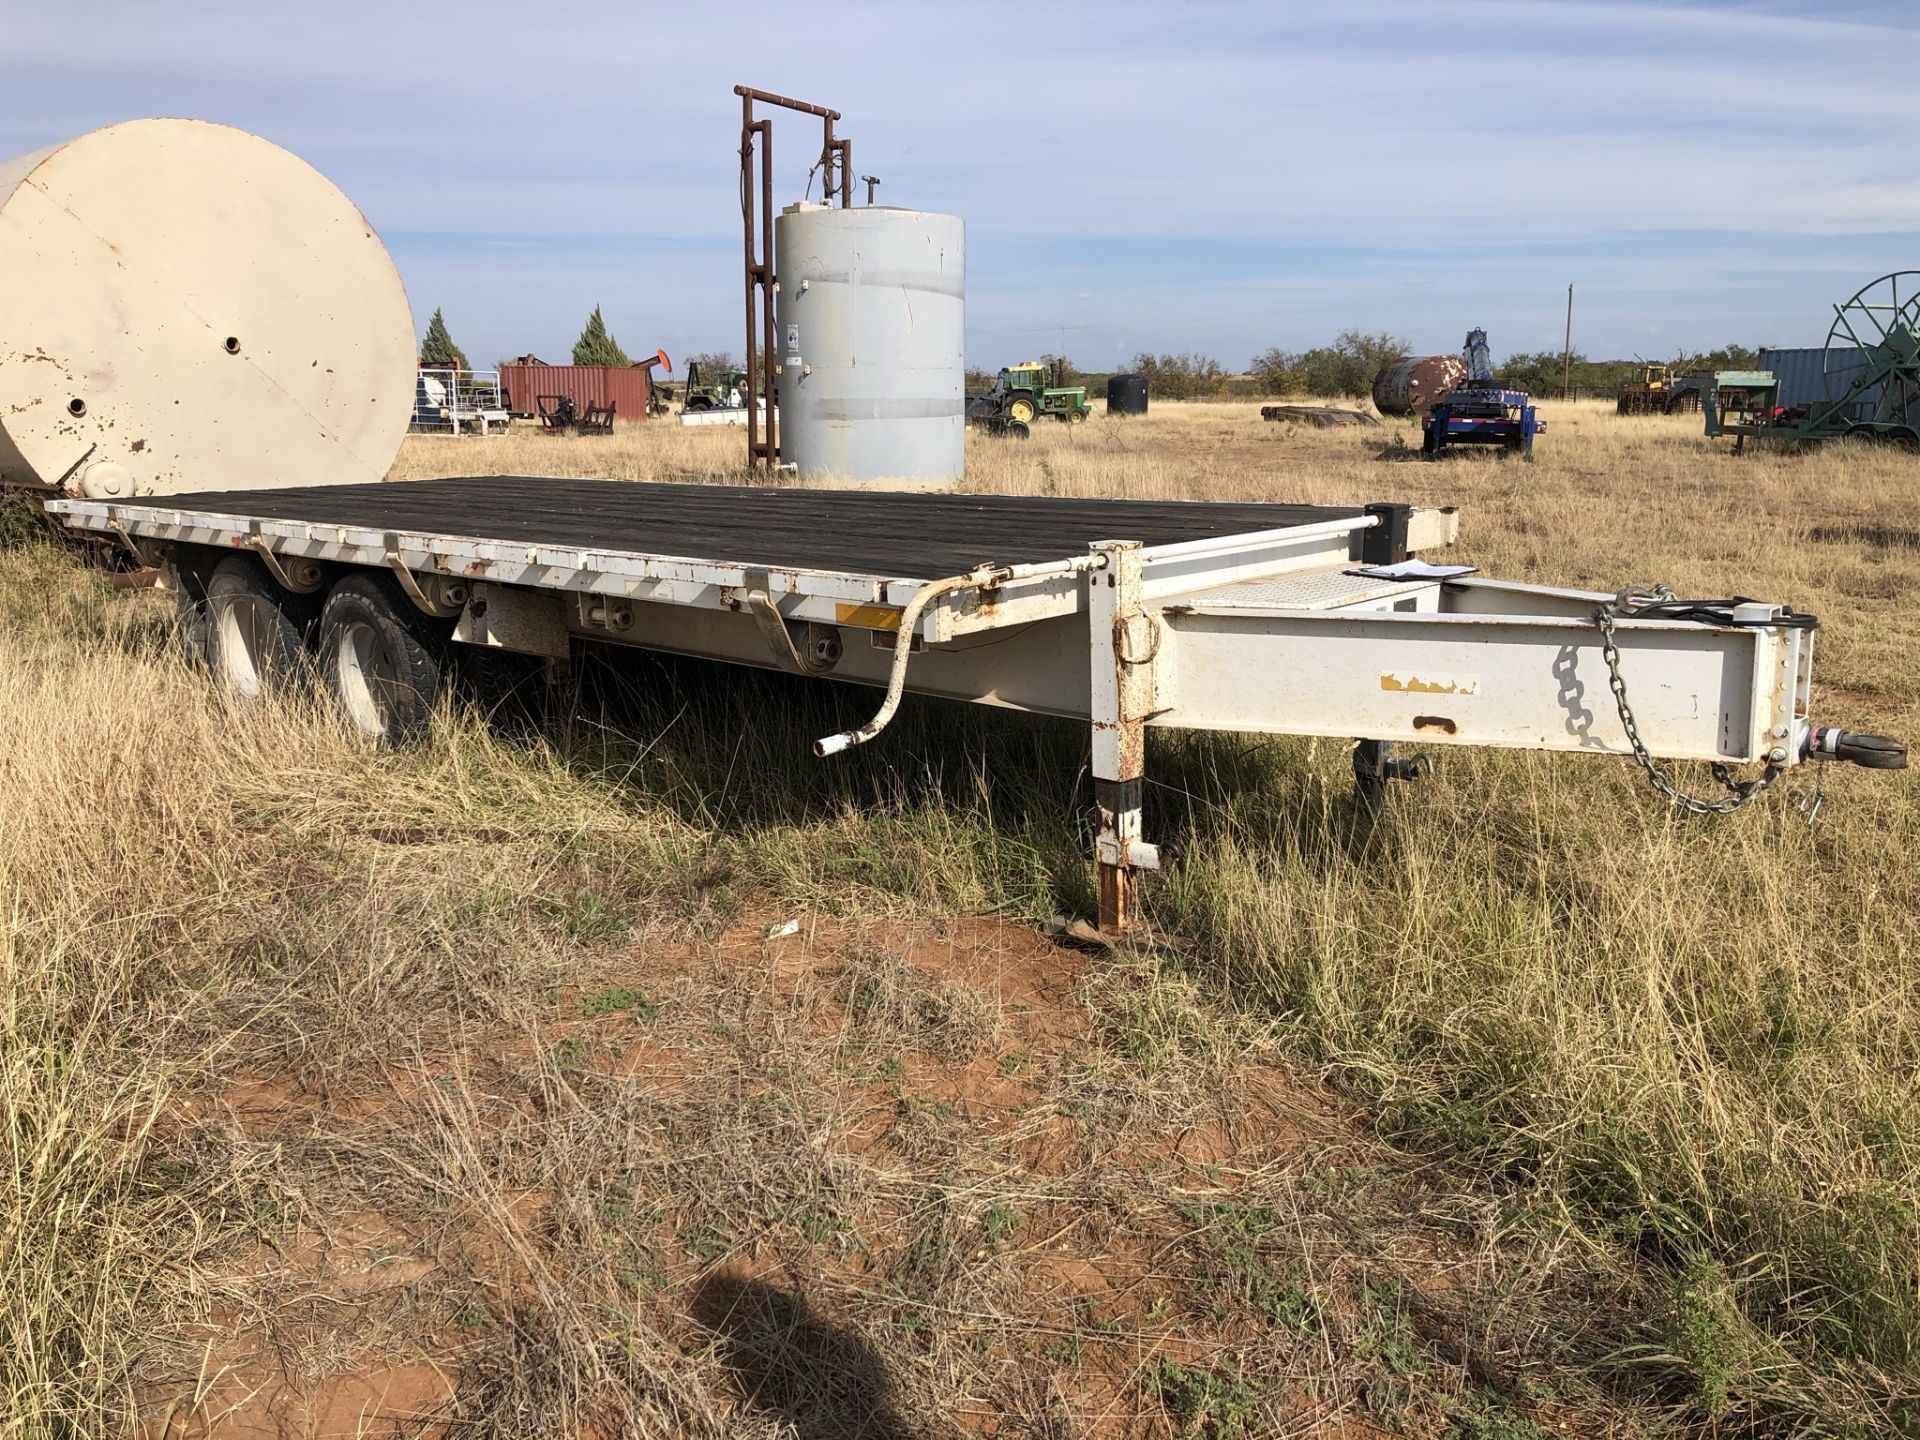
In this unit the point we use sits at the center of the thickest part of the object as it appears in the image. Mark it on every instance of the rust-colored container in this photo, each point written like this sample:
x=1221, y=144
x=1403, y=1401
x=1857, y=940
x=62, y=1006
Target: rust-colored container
x=1410, y=385
x=626, y=387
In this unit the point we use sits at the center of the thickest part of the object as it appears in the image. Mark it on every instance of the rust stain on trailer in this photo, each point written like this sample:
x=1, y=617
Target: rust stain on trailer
x=1130, y=745
x=1439, y=723
x=1439, y=685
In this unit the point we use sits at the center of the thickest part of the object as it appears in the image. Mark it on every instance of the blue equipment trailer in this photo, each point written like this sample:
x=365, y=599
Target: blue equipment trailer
x=1475, y=415
x=1480, y=412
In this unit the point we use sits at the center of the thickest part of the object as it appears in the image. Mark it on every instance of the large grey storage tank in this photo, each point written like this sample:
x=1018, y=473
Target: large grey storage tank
x=870, y=326
x=185, y=306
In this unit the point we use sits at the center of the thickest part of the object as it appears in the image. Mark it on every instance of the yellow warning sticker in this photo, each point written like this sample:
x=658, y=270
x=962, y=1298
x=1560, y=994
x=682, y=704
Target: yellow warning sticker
x=869, y=617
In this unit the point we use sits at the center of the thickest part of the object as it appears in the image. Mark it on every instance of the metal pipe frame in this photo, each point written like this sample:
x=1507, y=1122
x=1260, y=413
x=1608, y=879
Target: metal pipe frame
x=761, y=281
x=1219, y=544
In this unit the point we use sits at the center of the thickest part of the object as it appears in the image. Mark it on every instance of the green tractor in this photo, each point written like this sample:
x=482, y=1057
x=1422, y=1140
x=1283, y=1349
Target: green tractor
x=1033, y=392
x=1022, y=394
x=727, y=392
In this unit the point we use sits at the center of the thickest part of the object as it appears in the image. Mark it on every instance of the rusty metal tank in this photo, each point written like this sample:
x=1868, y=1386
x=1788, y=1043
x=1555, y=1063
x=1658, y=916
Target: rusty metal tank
x=186, y=306
x=1410, y=385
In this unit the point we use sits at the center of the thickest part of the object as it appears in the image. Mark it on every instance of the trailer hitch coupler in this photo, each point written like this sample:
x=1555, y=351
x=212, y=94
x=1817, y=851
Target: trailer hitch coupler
x=1856, y=747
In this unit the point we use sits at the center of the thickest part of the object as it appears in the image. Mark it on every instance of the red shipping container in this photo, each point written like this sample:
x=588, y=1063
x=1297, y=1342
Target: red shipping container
x=628, y=388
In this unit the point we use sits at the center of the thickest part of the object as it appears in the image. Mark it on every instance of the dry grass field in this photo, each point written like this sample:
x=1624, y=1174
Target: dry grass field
x=459, y=1090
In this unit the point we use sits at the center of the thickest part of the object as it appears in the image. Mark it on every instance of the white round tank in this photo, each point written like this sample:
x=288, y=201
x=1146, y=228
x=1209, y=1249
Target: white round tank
x=185, y=306
x=870, y=342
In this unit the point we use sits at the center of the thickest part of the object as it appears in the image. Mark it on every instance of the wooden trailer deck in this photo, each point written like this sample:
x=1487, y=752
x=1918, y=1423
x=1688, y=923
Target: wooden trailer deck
x=892, y=534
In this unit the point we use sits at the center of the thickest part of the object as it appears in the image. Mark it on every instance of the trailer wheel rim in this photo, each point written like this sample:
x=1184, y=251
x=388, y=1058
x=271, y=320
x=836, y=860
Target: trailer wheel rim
x=243, y=635
x=367, y=679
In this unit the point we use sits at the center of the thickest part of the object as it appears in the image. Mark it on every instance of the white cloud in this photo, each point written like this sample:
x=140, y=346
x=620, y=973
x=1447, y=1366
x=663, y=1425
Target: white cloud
x=1400, y=127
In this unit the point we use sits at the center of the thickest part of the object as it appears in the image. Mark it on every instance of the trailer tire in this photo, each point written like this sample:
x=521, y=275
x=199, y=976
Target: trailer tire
x=251, y=633
x=381, y=658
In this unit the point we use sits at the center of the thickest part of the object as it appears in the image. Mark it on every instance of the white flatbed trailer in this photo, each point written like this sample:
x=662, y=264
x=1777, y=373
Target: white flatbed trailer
x=1124, y=614
x=725, y=415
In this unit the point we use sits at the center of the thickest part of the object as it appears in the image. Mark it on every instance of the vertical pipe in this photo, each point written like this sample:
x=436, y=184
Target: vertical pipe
x=770, y=452
x=746, y=216
x=845, y=148
x=826, y=161
x=1566, y=355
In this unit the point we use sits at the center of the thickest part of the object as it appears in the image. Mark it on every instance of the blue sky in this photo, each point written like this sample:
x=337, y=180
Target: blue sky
x=1170, y=176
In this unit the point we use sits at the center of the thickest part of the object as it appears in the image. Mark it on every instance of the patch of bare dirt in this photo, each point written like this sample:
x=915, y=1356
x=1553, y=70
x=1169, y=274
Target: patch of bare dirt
x=872, y=1178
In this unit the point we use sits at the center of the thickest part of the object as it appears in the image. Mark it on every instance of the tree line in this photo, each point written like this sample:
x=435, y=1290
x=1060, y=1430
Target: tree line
x=596, y=345
x=1540, y=372
x=1343, y=368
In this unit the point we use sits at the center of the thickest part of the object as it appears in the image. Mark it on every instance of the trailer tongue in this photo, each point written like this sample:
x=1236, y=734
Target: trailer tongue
x=1275, y=619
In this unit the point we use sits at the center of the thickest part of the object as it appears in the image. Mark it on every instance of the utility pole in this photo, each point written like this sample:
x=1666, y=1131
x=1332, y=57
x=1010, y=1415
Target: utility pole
x=1566, y=355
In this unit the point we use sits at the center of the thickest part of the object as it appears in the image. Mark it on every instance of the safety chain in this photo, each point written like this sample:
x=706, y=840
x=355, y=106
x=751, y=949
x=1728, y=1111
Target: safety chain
x=1740, y=793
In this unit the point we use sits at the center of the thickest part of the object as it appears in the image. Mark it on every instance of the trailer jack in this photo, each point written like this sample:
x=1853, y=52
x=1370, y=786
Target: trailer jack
x=1375, y=766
